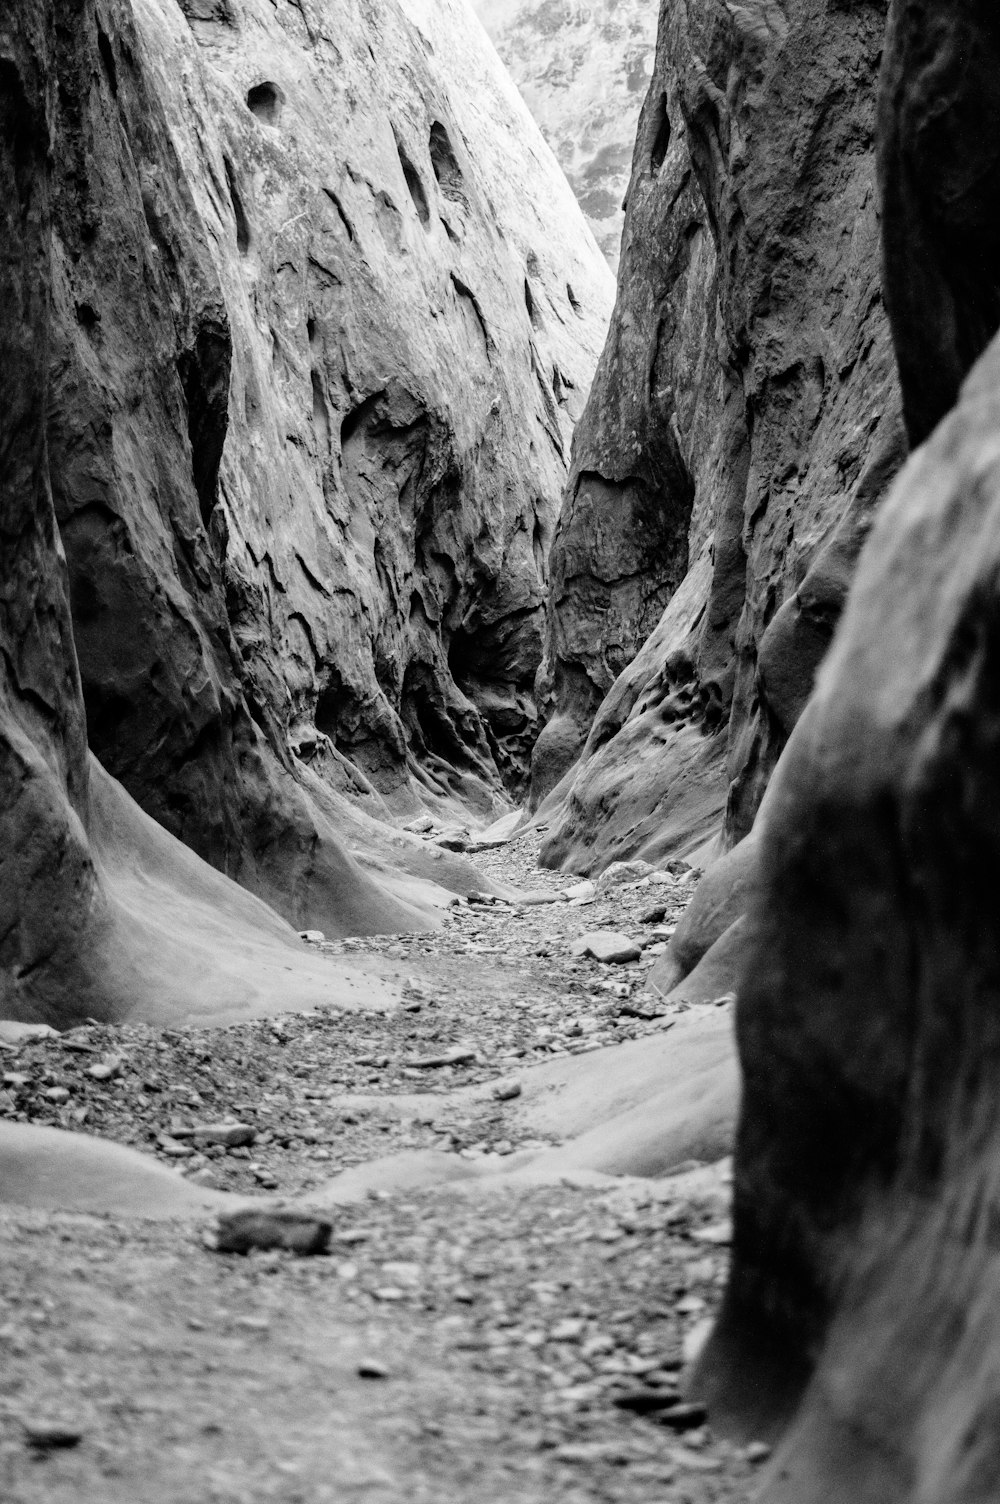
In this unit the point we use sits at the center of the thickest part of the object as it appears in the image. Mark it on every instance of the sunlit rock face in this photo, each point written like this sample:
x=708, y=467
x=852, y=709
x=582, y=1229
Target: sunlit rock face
x=324, y=311
x=741, y=432
x=583, y=70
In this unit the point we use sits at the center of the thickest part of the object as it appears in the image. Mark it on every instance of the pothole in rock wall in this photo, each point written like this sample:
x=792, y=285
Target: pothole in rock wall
x=265, y=101
x=414, y=185
x=449, y=175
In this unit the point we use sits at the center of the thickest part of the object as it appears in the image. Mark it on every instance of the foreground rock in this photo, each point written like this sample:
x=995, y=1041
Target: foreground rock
x=314, y=365
x=740, y=434
x=864, y=1284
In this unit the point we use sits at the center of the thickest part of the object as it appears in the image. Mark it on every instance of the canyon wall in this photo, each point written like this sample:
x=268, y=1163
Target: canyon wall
x=741, y=431
x=102, y=912
x=324, y=311
x=860, y=1316
x=301, y=315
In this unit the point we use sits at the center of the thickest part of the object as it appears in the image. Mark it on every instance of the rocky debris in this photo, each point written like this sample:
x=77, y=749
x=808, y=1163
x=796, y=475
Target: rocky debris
x=536, y=1309
x=496, y=1369
x=296, y=1232
x=739, y=437
x=275, y=1086
x=583, y=71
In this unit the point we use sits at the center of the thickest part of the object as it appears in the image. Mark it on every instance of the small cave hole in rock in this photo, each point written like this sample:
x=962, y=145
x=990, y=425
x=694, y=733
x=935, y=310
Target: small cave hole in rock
x=265, y=102
x=242, y=223
x=540, y=548
x=445, y=163
x=87, y=316
x=661, y=137
x=320, y=413
x=531, y=305
x=415, y=186
x=204, y=371
x=108, y=59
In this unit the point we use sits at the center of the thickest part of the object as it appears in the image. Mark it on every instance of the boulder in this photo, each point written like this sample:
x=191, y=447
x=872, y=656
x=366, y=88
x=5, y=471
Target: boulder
x=607, y=946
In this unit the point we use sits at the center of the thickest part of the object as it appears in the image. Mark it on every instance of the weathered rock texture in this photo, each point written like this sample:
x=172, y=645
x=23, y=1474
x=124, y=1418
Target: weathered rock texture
x=741, y=431
x=864, y=1283
x=583, y=70
x=866, y=1179
x=324, y=313
x=102, y=912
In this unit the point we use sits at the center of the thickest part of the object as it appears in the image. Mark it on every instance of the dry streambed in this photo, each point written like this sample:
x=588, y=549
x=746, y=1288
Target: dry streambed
x=522, y=1344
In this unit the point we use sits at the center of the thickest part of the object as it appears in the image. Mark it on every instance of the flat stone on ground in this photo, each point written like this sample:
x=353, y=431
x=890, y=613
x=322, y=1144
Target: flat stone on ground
x=607, y=946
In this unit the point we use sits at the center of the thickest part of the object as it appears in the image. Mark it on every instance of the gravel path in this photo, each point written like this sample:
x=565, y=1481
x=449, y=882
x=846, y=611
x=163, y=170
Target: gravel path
x=480, y=1342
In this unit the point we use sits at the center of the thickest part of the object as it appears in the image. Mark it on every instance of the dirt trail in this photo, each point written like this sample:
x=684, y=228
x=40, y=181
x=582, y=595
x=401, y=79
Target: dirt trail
x=512, y=1333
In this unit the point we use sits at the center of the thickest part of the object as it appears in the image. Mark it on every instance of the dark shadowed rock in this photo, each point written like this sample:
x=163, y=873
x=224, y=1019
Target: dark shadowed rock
x=863, y=1291
x=747, y=396
x=939, y=157
x=294, y=1231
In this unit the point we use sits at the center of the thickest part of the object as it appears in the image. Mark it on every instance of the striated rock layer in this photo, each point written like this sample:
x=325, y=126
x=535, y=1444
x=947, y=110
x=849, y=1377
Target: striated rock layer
x=324, y=311
x=742, y=429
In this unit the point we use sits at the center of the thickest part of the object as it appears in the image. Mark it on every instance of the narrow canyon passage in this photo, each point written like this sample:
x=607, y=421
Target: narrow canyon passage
x=519, y=1332
x=499, y=818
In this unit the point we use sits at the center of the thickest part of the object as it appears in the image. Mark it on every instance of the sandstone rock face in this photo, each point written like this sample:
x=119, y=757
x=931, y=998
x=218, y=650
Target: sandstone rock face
x=102, y=912
x=741, y=431
x=583, y=71
x=866, y=1181
x=324, y=313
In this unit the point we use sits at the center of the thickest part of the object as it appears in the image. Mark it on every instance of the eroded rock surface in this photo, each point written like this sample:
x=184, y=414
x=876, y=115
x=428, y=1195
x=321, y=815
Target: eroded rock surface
x=863, y=1289
x=102, y=912
x=323, y=315
x=741, y=431
x=867, y=1015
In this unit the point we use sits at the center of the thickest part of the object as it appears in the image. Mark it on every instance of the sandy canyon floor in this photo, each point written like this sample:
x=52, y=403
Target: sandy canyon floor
x=479, y=1339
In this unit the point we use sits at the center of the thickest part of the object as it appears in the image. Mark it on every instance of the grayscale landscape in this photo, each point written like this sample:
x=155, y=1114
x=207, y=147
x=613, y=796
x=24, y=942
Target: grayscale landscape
x=499, y=751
